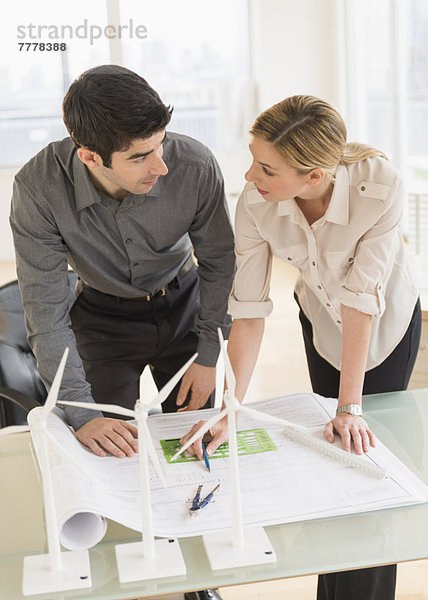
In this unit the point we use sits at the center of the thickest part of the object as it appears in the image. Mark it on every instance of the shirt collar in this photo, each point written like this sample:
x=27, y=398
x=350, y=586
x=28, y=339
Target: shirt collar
x=338, y=208
x=285, y=207
x=289, y=208
x=84, y=190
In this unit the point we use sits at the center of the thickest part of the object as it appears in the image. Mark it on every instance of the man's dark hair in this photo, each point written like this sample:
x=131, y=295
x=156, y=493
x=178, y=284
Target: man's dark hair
x=108, y=107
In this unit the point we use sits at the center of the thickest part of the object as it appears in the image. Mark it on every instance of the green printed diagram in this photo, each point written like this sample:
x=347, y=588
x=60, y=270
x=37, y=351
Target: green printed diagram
x=251, y=441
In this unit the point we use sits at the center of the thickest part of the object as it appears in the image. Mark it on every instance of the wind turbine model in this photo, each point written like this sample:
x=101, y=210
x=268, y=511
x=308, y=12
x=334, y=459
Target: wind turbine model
x=239, y=547
x=149, y=559
x=242, y=547
x=57, y=570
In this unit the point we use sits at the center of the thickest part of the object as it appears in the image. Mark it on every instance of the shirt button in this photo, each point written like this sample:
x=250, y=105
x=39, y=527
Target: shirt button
x=135, y=264
x=289, y=258
x=339, y=322
x=128, y=241
x=319, y=287
x=363, y=187
x=351, y=260
x=328, y=304
x=313, y=263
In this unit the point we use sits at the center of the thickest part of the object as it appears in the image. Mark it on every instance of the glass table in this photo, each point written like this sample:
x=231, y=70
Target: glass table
x=399, y=419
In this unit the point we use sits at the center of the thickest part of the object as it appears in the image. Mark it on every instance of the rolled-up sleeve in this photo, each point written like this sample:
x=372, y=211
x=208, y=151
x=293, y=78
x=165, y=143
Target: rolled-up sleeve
x=250, y=293
x=366, y=281
x=42, y=272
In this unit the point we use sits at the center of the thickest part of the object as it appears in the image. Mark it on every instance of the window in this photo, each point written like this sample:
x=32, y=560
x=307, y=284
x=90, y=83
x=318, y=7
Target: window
x=386, y=51
x=199, y=64
x=196, y=58
x=386, y=44
x=34, y=81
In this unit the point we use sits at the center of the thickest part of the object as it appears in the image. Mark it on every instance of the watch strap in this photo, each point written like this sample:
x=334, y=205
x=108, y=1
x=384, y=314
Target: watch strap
x=350, y=409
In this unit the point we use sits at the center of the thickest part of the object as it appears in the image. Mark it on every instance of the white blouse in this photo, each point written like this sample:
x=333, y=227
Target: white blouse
x=354, y=255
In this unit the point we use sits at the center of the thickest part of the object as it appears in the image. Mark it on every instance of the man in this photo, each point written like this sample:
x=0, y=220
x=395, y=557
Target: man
x=124, y=203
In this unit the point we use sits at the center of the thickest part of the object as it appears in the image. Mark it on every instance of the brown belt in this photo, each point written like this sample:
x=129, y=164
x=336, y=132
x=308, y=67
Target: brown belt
x=184, y=269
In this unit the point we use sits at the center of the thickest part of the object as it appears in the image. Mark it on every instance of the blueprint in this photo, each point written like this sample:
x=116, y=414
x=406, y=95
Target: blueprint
x=281, y=480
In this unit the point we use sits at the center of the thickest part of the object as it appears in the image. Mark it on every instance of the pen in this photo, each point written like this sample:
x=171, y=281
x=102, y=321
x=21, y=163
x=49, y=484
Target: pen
x=195, y=501
x=206, y=461
x=205, y=500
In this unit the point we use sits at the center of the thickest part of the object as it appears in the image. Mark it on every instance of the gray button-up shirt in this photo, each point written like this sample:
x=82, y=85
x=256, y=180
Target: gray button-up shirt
x=127, y=248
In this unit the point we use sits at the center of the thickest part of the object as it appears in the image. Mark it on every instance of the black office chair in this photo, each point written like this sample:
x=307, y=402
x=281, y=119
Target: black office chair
x=21, y=388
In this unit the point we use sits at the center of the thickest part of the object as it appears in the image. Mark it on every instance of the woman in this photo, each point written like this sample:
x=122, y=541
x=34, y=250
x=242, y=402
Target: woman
x=332, y=210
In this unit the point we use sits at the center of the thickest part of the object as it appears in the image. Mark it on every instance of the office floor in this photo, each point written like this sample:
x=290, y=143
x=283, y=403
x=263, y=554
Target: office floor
x=282, y=370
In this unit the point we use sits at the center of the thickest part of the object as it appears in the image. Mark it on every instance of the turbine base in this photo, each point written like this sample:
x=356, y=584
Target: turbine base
x=222, y=554
x=40, y=579
x=133, y=566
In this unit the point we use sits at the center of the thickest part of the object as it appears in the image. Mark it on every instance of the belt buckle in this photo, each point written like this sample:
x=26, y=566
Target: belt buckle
x=161, y=292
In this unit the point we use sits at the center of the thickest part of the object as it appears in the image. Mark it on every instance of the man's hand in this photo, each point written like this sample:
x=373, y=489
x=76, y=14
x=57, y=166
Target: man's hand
x=219, y=435
x=200, y=381
x=109, y=436
x=351, y=429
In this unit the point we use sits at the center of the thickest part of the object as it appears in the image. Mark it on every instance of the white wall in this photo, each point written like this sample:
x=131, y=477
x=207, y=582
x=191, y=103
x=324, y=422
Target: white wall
x=295, y=49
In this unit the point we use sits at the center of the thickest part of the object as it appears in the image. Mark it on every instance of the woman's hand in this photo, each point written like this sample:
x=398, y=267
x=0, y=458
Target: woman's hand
x=219, y=435
x=351, y=429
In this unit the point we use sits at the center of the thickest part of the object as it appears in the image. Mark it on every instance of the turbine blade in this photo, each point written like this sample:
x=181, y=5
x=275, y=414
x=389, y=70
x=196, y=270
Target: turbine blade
x=112, y=408
x=262, y=416
x=230, y=375
x=152, y=453
x=201, y=431
x=56, y=384
x=168, y=387
x=13, y=429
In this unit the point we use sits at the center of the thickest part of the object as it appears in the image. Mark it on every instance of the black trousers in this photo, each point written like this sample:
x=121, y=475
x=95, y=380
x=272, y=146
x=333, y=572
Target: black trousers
x=117, y=337
x=375, y=583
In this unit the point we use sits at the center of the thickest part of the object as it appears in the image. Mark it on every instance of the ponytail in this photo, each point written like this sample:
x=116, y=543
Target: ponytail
x=354, y=152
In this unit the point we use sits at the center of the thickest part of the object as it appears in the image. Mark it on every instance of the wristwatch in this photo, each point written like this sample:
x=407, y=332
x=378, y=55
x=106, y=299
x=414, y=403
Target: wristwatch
x=351, y=409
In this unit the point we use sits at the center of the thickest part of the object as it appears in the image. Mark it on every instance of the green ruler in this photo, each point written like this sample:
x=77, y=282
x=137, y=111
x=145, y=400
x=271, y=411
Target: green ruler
x=250, y=441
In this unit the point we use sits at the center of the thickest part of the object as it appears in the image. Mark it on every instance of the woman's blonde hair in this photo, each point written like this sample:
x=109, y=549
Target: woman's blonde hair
x=309, y=133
